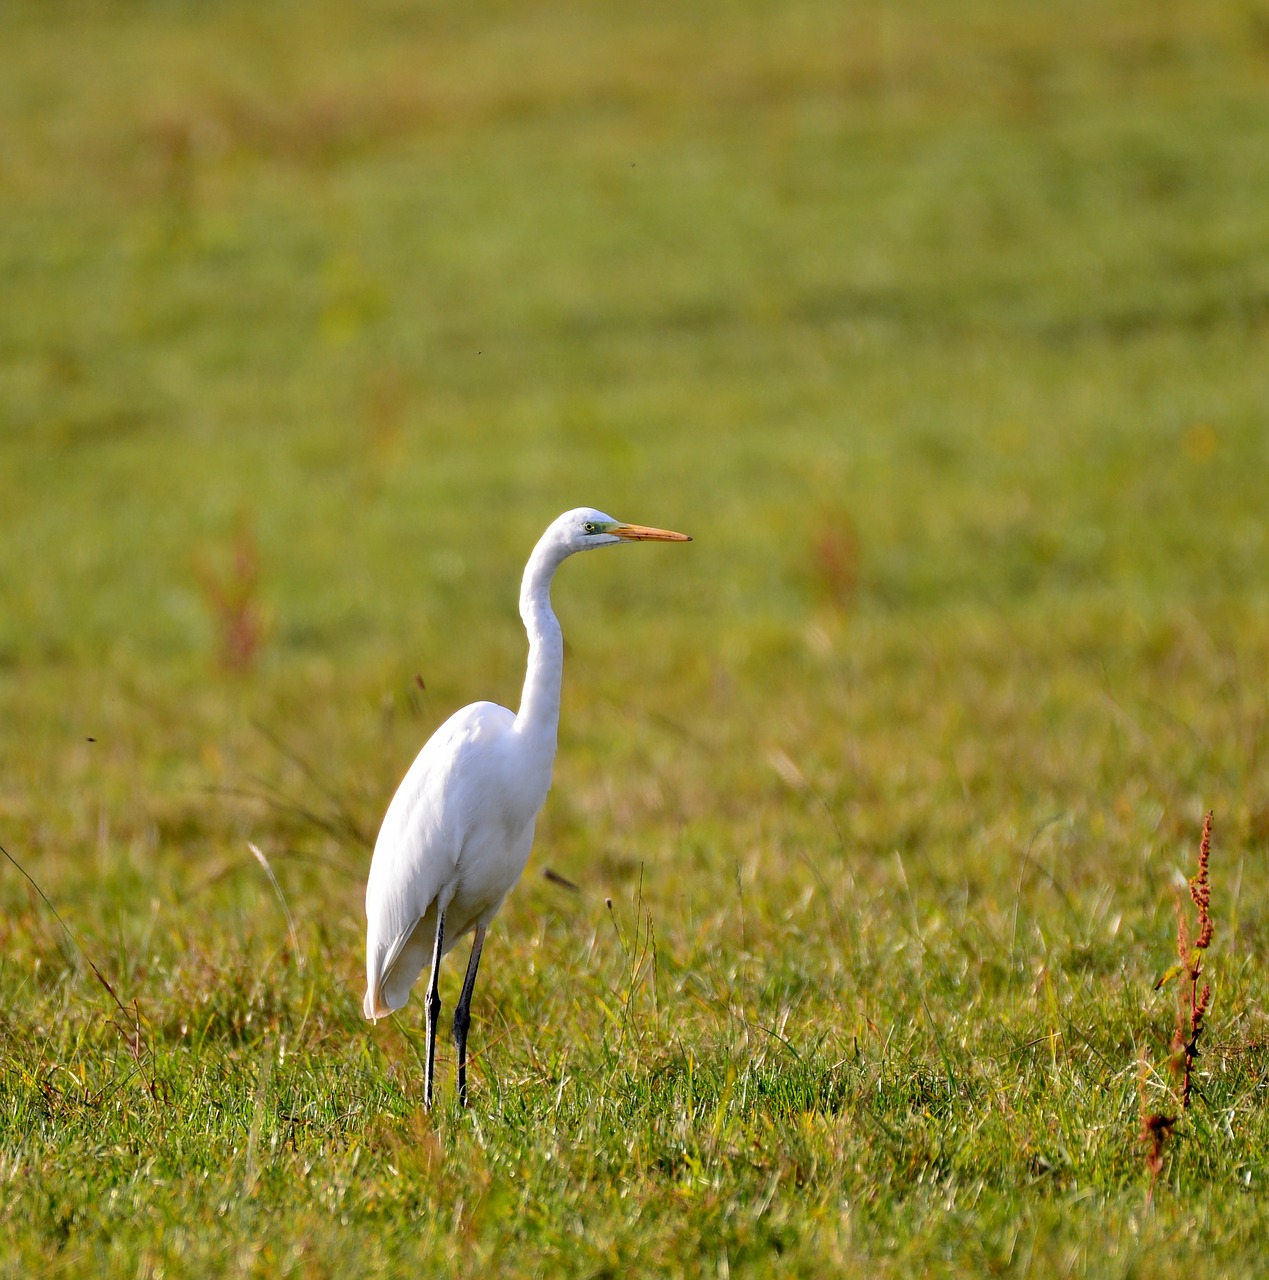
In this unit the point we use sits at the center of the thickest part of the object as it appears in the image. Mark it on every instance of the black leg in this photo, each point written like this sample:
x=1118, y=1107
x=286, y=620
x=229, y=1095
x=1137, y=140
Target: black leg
x=462, y=1014
x=433, y=1008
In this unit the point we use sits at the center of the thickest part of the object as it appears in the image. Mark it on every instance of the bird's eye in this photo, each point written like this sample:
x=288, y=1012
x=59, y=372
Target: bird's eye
x=590, y=527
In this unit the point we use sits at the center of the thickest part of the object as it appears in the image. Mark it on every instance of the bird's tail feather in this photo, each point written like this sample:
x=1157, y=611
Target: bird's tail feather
x=390, y=976
x=374, y=1007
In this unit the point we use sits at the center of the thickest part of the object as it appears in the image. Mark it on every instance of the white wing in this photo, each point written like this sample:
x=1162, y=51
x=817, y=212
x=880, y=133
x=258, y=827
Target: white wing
x=451, y=785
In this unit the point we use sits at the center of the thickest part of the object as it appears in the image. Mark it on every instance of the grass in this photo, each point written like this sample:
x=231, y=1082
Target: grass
x=941, y=327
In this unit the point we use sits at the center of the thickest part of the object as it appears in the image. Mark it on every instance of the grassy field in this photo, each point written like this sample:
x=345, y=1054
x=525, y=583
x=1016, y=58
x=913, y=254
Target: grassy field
x=944, y=329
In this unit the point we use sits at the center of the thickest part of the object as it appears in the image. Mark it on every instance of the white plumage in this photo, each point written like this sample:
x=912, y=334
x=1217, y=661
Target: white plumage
x=458, y=832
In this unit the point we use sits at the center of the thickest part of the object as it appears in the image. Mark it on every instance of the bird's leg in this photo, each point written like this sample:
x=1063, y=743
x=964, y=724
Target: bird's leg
x=433, y=1007
x=462, y=1014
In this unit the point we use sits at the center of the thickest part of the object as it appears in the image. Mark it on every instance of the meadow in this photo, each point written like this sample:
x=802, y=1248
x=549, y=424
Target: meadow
x=944, y=330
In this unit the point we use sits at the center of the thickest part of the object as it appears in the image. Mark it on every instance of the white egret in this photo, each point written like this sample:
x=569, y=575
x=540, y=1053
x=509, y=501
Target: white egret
x=458, y=832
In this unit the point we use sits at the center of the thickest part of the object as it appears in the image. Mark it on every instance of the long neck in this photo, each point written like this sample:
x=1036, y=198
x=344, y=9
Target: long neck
x=539, y=714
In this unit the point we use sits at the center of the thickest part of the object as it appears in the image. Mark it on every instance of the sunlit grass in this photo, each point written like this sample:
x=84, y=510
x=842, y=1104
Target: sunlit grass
x=941, y=328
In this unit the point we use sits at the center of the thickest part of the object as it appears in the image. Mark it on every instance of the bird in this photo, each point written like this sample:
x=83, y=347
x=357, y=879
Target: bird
x=458, y=832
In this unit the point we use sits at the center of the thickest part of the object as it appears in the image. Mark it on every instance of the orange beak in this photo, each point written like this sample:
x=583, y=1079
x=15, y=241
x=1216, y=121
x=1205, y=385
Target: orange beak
x=641, y=533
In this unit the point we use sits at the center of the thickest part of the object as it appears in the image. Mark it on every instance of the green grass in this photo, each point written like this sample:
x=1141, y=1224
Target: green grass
x=943, y=328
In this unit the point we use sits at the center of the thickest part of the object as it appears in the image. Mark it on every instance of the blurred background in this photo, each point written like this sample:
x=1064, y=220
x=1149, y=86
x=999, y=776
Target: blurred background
x=941, y=326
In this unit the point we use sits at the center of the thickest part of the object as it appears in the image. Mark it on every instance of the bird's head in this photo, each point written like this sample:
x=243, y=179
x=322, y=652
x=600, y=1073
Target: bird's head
x=585, y=528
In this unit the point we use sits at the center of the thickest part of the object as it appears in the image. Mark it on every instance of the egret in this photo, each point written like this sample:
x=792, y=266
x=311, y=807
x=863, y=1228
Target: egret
x=457, y=834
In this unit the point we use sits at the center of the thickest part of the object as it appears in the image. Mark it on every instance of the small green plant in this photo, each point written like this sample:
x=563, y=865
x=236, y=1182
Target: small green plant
x=1193, y=1001
x=1192, y=1005
x=233, y=599
x=836, y=559
x=1156, y=1129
